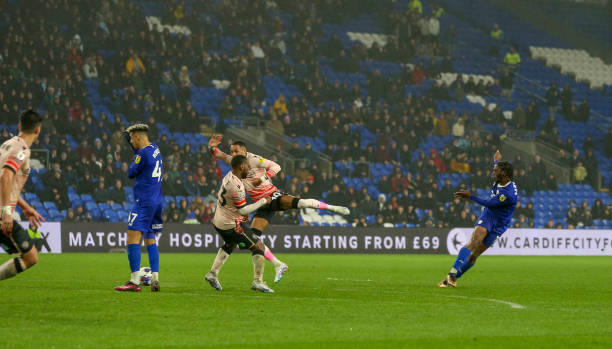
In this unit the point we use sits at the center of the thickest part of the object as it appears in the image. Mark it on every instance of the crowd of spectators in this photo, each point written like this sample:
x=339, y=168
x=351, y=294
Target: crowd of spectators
x=54, y=51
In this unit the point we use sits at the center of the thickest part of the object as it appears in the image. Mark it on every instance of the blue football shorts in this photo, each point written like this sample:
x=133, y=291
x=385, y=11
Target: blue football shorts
x=147, y=219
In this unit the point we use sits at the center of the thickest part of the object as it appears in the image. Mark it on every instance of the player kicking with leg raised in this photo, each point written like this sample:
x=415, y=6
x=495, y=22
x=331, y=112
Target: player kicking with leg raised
x=229, y=221
x=493, y=222
x=258, y=184
x=145, y=218
x=15, y=161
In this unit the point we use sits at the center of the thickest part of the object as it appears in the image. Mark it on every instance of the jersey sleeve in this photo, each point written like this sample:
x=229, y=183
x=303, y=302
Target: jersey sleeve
x=138, y=163
x=272, y=168
x=502, y=199
x=16, y=158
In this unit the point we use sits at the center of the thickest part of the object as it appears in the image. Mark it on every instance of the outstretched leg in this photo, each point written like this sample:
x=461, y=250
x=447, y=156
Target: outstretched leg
x=466, y=257
x=291, y=202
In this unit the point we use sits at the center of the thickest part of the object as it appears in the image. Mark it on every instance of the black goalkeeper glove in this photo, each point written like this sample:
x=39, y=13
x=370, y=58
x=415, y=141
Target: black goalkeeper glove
x=128, y=139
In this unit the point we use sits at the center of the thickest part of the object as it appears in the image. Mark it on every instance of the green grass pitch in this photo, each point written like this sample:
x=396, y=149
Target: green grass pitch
x=331, y=301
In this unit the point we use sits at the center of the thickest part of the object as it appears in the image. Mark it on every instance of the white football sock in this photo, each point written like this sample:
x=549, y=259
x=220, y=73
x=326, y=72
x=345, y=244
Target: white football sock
x=309, y=203
x=155, y=276
x=135, y=278
x=272, y=258
x=9, y=268
x=259, y=263
x=220, y=260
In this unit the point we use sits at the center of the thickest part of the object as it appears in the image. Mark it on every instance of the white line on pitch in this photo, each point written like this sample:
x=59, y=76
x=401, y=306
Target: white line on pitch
x=511, y=304
x=336, y=279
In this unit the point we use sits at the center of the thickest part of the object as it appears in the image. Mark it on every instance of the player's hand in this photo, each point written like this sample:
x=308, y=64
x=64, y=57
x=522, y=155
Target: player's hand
x=497, y=156
x=34, y=217
x=215, y=140
x=268, y=200
x=256, y=182
x=127, y=137
x=463, y=194
x=7, y=224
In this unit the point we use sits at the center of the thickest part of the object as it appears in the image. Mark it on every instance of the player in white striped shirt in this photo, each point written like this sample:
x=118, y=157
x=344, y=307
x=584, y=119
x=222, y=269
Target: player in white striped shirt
x=258, y=185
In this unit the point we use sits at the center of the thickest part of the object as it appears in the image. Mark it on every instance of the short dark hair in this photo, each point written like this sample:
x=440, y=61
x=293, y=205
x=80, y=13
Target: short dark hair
x=238, y=160
x=507, y=168
x=240, y=144
x=29, y=120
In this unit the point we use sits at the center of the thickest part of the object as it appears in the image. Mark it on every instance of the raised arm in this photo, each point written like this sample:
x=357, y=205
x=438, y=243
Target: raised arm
x=213, y=147
x=494, y=201
x=272, y=168
x=248, y=209
x=136, y=166
x=497, y=157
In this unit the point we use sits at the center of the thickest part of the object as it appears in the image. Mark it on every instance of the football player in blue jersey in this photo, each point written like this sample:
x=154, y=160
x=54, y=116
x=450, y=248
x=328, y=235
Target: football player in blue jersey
x=492, y=223
x=145, y=219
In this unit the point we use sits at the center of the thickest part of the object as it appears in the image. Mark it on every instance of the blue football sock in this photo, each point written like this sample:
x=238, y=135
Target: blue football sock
x=462, y=258
x=153, y=257
x=134, y=257
x=464, y=269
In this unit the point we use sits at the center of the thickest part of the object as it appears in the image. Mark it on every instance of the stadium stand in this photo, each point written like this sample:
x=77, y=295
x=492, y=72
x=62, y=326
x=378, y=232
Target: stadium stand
x=409, y=103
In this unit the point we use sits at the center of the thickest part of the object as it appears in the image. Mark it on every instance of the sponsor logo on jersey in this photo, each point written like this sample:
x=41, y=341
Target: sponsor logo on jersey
x=502, y=198
x=137, y=159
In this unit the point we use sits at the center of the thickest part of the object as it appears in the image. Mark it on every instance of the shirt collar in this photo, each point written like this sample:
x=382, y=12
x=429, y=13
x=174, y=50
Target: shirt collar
x=503, y=186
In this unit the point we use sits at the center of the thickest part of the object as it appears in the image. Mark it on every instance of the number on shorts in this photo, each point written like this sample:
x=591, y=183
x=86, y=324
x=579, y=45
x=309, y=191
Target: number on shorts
x=276, y=195
x=132, y=218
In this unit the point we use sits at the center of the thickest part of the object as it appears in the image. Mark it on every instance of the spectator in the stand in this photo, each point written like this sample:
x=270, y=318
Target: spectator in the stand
x=118, y=193
x=336, y=197
x=532, y=115
x=459, y=128
x=89, y=69
x=538, y=168
x=586, y=219
x=86, y=184
x=415, y=6
x=81, y=215
x=552, y=98
x=134, y=63
x=607, y=213
x=460, y=164
x=497, y=35
x=598, y=209
x=506, y=83
x=584, y=111
x=184, y=84
x=608, y=143
x=550, y=224
x=579, y=173
x=101, y=194
x=280, y=106
x=566, y=96
x=441, y=126
x=550, y=182
x=275, y=124
x=367, y=205
x=592, y=168
x=512, y=59
x=519, y=118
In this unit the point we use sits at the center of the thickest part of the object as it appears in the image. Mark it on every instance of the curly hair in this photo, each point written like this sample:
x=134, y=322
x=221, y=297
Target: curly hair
x=507, y=168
